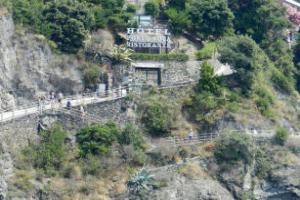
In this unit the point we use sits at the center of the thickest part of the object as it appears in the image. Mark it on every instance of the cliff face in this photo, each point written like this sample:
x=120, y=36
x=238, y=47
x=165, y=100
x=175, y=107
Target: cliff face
x=29, y=68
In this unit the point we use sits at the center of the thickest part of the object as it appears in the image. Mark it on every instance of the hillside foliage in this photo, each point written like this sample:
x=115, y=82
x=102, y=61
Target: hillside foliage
x=67, y=22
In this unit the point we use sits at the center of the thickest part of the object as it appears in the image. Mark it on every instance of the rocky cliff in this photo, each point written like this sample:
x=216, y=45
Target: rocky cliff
x=28, y=67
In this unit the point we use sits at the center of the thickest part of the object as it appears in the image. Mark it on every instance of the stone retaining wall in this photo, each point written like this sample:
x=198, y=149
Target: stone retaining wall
x=19, y=130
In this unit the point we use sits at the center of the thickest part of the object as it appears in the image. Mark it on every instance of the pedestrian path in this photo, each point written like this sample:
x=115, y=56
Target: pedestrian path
x=77, y=100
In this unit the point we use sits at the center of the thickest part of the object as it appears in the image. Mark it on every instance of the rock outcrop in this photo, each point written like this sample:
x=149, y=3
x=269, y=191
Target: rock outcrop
x=28, y=67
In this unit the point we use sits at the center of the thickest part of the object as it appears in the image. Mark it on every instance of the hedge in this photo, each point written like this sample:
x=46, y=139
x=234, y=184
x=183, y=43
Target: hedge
x=160, y=57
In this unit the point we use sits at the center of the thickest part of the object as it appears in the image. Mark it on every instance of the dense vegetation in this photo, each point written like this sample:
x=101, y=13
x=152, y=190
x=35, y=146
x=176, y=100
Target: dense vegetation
x=264, y=21
x=247, y=35
x=68, y=22
x=97, y=139
x=157, y=115
x=49, y=154
x=234, y=147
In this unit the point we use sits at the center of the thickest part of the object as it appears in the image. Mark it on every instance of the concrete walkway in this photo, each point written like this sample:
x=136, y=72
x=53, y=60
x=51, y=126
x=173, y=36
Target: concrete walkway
x=54, y=105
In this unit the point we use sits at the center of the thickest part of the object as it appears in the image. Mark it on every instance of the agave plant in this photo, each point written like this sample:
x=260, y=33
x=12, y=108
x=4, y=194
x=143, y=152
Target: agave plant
x=122, y=54
x=140, y=182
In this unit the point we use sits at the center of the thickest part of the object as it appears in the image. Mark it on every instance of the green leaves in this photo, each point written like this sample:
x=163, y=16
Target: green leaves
x=49, y=154
x=152, y=8
x=233, y=147
x=178, y=20
x=66, y=22
x=281, y=136
x=97, y=139
x=211, y=18
x=131, y=135
x=157, y=115
x=246, y=58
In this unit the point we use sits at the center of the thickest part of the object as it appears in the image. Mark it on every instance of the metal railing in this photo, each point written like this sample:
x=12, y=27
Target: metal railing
x=84, y=99
x=259, y=136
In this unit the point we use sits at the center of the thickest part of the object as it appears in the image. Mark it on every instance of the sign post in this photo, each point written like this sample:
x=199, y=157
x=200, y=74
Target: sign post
x=140, y=38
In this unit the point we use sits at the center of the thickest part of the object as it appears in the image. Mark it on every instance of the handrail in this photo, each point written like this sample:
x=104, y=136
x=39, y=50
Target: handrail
x=87, y=98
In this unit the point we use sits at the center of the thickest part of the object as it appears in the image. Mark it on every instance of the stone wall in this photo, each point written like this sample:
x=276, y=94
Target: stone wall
x=17, y=134
x=172, y=72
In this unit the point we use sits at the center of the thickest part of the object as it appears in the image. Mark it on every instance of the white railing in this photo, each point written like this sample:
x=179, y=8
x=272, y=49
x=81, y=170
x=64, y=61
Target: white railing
x=76, y=100
x=37, y=107
x=257, y=135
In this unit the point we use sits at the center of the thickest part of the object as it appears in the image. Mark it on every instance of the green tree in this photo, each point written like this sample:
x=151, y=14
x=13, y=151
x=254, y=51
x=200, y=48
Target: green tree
x=178, y=20
x=263, y=20
x=233, y=147
x=211, y=18
x=208, y=81
x=297, y=54
x=178, y=4
x=131, y=8
x=207, y=101
x=250, y=63
x=266, y=22
x=152, y=8
x=121, y=54
x=28, y=12
x=64, y=28
x=97, y=139
x=207, y=108
x=296, y=60
x=246, y=58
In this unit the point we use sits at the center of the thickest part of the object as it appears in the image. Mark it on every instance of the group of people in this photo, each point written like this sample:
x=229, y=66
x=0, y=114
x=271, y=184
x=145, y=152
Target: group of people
x=59, y=97
x=53, y=96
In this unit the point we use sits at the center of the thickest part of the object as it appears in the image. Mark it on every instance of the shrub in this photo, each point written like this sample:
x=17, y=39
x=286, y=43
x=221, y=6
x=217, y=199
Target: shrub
x=23, y=180
x=134, y=156
x=91, y=77
x=96, y=139
x=262, y=164
x=281, y=136
x=49, y=154
x=265, y=100
x=181, y=57
x=191, y=170
x=246, y=58
x=151, y=8
x=207, y=51
x=91, y=165
x=156, y=116
x=233, y=147
x=282, y=82
x=131, y=135
x=131, y=8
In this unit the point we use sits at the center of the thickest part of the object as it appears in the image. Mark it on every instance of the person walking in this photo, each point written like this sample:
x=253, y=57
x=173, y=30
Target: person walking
x=82, y=112
x=190, y=135
x=69, y=105
x=60, y=97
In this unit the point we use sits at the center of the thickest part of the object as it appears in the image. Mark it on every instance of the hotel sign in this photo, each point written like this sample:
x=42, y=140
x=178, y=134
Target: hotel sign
x=148, y=38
